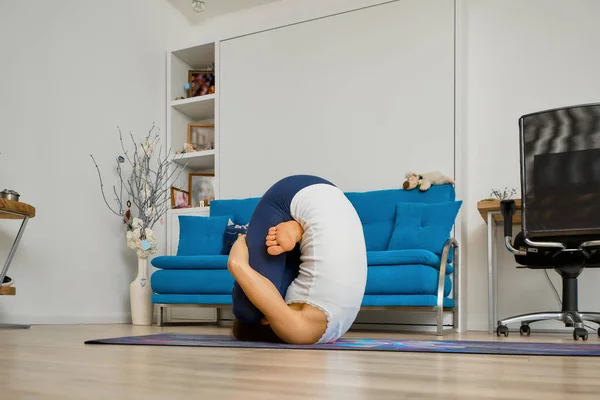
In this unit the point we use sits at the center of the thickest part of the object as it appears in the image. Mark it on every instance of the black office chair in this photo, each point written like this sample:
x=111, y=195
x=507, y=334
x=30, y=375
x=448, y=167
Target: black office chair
x=560, y=187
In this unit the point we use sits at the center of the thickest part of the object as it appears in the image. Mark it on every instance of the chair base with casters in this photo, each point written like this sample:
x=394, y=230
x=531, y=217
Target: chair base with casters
x=568, y=261
x=569, y=315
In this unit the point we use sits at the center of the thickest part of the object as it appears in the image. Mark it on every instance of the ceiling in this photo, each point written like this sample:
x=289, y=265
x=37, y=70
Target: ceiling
x=214, y=8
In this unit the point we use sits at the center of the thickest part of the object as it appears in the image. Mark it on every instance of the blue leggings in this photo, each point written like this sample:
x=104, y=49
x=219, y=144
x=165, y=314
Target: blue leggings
x=272, y=209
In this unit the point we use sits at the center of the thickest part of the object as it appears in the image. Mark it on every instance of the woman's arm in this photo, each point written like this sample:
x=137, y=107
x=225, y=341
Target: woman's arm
x=287, y=323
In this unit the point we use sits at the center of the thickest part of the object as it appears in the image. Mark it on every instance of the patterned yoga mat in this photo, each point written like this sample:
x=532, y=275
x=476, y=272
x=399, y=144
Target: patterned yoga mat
x=399, y=345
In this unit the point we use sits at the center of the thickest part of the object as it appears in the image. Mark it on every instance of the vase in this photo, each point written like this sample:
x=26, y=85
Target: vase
x=140, y=296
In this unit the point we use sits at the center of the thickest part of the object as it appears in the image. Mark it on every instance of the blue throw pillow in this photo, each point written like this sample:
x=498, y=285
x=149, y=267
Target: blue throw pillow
x=231, y=235
x=201, y=236
x=424, y=226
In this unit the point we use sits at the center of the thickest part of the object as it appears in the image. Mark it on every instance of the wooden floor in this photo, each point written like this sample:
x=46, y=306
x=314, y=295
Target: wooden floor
x=51, y=362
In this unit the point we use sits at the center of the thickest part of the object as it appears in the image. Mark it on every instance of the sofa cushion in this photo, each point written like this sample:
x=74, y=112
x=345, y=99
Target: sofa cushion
x=201, y=235
x=424, y=226
x=190, y=262
x=405, y=257
x=209, y=281
x=405, y=279
x=377, y=209
x=240, y=210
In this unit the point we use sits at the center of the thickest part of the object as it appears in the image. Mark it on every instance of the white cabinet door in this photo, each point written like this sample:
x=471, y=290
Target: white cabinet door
x=359, y=98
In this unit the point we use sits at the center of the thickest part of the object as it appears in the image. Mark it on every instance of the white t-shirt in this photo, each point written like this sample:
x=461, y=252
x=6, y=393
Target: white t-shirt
x=333, y=269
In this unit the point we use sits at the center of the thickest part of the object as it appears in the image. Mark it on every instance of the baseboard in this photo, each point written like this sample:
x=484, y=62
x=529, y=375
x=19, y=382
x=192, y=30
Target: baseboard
x=116, y=318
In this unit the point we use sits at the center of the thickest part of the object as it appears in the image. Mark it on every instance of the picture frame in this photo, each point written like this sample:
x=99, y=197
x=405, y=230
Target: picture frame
x=201, y=83
x=202, y=189
x=179, y=198
x=201, y=136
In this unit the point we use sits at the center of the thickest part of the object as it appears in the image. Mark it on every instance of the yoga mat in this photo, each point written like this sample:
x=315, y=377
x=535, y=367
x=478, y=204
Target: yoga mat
x=397, y=345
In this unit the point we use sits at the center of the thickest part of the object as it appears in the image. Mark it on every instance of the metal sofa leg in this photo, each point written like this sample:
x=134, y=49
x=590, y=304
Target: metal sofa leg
x=159, y=320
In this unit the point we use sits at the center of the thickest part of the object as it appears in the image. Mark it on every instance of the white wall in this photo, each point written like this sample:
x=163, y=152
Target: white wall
x=517, y=57
x=71, y=71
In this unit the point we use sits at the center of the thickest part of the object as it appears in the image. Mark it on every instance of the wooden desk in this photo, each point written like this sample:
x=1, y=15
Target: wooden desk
x=491, y=214
x=486, y=206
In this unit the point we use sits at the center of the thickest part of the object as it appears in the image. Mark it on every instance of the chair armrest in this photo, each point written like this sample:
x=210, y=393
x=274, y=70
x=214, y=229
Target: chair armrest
x=450, y=243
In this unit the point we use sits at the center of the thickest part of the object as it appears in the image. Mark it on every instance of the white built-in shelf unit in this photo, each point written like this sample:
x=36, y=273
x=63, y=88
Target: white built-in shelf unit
x=183, y=111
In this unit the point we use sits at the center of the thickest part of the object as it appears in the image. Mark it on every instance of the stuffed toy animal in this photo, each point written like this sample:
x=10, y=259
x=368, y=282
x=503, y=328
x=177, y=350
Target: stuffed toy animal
x=188, y=148
x=424, y=181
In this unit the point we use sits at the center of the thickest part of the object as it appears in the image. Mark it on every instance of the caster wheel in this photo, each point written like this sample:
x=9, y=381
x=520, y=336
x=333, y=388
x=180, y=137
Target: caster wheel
x=525, y=330
x=580, y=333
x=502, y=330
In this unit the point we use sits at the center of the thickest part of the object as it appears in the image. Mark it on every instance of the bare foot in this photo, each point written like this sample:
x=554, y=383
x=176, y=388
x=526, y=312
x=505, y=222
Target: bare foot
x=283, y=237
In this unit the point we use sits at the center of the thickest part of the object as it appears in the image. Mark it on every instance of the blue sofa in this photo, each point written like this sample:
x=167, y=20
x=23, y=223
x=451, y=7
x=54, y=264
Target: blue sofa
x=411, y=255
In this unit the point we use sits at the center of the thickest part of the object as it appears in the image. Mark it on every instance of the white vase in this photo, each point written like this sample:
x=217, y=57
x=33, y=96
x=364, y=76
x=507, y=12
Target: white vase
x=140, y=296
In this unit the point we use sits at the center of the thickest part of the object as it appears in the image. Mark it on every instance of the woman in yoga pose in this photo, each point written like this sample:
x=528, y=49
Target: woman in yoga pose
x=300, y=272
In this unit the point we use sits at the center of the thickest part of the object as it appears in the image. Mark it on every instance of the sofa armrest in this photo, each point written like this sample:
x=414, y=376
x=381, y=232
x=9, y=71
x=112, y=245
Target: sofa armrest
x=451, y=243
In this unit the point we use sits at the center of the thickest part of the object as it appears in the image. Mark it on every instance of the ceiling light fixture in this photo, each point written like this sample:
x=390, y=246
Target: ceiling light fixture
x=198, y=5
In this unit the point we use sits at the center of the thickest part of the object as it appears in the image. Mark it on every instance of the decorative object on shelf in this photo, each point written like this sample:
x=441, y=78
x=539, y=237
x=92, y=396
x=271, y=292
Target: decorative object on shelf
x=198, y=5
x=202, y=189
x=497, y=195
x=147, y=188
x=200, y=83
x=201, y=136
x=10, y=195
x=189, y=148
x=7, y=281
x=179, y=198
x=424, y=181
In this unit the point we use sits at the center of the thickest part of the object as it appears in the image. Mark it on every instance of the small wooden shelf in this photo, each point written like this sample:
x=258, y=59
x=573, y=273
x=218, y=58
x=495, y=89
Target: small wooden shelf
x=8, y=291
x=197, y=160
x=486, y=206
x=8, y=209
x=196, y=108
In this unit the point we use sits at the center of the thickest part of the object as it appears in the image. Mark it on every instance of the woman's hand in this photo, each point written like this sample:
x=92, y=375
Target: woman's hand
x=239, y=250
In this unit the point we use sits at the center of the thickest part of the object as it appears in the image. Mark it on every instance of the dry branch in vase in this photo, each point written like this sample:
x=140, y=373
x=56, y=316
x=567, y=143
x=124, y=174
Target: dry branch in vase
x=146, y=189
